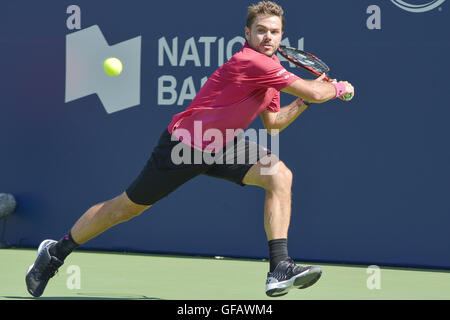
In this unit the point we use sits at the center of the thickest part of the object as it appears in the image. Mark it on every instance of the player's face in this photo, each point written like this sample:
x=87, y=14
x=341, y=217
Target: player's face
x=265, y=34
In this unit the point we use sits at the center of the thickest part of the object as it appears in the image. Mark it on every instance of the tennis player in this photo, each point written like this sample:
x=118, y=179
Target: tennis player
x=246, y=86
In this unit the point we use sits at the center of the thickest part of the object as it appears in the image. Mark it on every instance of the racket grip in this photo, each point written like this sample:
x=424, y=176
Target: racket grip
x=347, y=96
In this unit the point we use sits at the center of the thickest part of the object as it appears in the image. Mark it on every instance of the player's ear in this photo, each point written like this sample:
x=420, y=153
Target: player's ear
x=247, y=33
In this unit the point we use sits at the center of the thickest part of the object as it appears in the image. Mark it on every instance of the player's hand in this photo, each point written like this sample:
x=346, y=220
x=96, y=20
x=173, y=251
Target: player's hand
x=349, y=91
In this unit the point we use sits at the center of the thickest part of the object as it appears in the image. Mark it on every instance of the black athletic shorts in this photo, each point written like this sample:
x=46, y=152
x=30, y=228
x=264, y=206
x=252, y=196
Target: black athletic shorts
x=164, y=171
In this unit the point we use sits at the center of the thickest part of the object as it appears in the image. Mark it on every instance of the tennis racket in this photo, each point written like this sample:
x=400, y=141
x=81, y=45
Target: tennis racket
x=308, y=62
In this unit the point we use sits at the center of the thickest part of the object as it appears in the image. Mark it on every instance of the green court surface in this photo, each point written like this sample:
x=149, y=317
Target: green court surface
x=106, y=275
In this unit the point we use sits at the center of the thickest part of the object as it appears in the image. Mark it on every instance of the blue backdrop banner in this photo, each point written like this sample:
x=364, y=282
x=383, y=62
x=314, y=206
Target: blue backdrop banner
x=371, y=177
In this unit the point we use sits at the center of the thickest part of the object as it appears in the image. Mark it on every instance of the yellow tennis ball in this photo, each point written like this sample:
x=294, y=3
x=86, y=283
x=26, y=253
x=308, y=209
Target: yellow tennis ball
x=113, y=67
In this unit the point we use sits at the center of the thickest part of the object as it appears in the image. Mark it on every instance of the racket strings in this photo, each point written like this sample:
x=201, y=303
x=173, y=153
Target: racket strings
x=304, y=59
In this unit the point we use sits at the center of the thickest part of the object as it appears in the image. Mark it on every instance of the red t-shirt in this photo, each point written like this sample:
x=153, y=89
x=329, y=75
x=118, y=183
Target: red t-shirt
x=232, y=97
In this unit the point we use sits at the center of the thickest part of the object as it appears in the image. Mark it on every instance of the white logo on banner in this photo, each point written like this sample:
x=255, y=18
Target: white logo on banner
x=86, y=51
x=374, y=20
x=418, y=8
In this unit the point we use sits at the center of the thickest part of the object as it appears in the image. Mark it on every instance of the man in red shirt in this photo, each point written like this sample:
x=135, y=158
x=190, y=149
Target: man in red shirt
x=248, y=85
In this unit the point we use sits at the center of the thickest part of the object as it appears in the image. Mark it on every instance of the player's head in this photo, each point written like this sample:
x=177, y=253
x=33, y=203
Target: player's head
x=265, y=27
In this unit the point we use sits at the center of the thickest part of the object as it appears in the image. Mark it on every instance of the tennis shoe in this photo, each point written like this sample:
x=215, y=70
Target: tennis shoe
x=42, y=270
x=288, y=275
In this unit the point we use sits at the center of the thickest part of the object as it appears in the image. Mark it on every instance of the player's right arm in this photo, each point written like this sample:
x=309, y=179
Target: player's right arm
x=315, y=91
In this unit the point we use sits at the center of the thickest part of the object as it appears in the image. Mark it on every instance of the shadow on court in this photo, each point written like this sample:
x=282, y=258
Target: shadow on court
x=90, y=296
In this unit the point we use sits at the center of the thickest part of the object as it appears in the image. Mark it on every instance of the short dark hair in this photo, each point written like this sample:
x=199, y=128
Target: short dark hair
x=264, y=8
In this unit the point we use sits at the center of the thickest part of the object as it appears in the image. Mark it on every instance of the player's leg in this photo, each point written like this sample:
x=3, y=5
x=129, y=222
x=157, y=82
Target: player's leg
x=245, y=162
x=159, y=178
x=265, y=170
x=103, y=216
x=276, y=180
x=284, y=274
x=94, y=221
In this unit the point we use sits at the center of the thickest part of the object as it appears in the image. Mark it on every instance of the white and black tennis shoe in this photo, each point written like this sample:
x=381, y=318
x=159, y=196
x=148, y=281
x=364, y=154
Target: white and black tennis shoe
x=288, y=275
x=42, y=270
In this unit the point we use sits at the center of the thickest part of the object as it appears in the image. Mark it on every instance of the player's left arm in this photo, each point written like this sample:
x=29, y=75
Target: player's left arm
x=275, y=122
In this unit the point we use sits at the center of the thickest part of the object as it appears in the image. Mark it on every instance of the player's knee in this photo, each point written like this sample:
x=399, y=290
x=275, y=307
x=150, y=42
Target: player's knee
x=126, y=214
x=284, y=177
x=123, y=209
x=280, y=179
